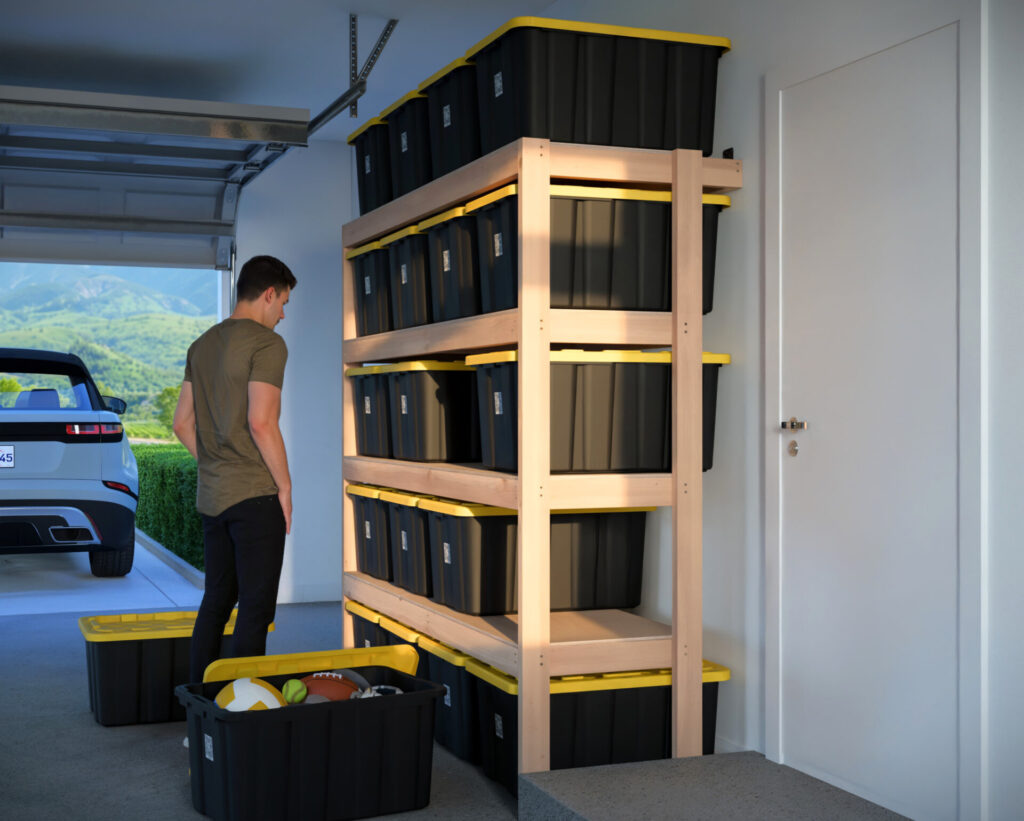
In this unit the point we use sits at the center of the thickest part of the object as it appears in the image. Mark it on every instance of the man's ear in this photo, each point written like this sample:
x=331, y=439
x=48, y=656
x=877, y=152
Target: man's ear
x=269, y=295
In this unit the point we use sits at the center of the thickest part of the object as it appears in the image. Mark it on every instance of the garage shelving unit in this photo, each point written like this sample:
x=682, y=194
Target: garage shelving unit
x=536, y=644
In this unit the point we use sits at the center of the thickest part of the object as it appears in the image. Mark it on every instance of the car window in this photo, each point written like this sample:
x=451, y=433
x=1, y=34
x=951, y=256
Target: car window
x=42, y=391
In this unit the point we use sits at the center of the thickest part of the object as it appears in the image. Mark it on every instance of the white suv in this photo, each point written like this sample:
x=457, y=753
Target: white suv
x=68, y=479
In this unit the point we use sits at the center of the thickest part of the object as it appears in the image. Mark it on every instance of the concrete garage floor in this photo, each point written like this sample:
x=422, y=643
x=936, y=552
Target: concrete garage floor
x=57, y=762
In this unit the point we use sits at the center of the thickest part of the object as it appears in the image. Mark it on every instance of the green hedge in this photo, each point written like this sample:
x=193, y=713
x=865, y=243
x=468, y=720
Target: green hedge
x=167, y=500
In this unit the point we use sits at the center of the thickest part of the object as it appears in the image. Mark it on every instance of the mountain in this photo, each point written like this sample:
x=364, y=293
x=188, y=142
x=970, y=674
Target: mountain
x=102, y=295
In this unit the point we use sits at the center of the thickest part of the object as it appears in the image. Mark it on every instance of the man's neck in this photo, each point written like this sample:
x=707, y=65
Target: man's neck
x=247, y=310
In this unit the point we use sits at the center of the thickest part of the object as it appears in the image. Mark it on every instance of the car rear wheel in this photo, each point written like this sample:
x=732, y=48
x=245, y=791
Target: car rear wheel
x=107, y=563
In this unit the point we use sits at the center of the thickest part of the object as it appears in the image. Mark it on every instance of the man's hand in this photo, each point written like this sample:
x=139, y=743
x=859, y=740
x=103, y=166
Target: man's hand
x=285, y=498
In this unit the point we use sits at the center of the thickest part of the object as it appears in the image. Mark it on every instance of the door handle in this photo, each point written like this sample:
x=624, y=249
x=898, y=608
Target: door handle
x=794, y=424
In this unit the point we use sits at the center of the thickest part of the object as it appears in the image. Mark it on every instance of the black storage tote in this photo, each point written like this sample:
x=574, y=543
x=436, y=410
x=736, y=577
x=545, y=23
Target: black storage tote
x=372, y=524
x=610, y=410
x=455, y=722
x=611, y=248
x=366, y=626
x=397, y=633
x=373, y=164
x=410, y=542
x=612, y=718
x=330, y=761
x=433, y=415
x=372, y=410
x=597, y=84
x=596, y=557
x=453, y=115
x=454, y=267
x=409, y=276
x=372, y=287
x=135, y=660
x=409, y=143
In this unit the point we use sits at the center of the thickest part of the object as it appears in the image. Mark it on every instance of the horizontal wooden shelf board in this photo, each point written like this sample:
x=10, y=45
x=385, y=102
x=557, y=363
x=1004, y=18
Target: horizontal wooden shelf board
x=572, y=490
x=611, y=328
x=590, y=641
x=473, y=484
x=597, y=163
x=456, y=336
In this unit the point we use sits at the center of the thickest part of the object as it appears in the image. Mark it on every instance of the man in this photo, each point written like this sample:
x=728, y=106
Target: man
x=227, y=417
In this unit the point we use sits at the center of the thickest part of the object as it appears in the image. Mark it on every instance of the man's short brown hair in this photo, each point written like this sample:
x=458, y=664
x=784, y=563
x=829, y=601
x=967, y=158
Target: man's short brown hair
x=260, y=273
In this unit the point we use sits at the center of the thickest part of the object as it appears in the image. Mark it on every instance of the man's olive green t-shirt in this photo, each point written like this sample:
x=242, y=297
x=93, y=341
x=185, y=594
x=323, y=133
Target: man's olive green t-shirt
x=220, y=365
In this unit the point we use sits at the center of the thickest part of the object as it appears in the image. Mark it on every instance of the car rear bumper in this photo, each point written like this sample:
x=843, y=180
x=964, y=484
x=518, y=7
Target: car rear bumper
x=54, y=526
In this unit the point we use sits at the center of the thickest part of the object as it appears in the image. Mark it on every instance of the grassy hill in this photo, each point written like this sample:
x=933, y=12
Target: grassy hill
x=132, y=337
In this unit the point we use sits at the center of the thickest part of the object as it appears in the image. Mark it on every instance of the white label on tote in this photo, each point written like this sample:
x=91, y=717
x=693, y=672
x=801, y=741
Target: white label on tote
x=405, y=142
x=405, y=541
x=499, y=730
x=366, y=164
x=366, y=643
x=369, y=534
x=366, y=406
x=497, y=245
x=367, y=287
x=447, y=695
x=446, y=260
x=447, y=552
x=405, y=274
x=208, y=745
x=498, y=87
x=446, y=115
x=499, y=407
x=405, y=406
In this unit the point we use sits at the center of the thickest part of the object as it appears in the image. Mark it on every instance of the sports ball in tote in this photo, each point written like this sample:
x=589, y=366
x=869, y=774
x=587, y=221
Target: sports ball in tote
x=249, y=694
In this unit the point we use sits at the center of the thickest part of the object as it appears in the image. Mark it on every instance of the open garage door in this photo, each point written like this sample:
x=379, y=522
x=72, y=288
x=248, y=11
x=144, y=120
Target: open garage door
x=117, y=179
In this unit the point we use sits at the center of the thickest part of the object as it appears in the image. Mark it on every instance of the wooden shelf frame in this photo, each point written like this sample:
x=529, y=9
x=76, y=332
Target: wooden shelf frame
x=537, y=644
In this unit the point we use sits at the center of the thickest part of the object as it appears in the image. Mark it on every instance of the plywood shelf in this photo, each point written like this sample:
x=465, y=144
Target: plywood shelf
x=588, y=641
x=471, y=483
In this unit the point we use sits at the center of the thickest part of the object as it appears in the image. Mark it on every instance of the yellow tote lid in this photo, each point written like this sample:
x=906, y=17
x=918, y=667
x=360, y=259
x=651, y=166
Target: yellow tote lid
x=366, y=491
x=443, y=651
x=362, y=371
x=493, y=196
x=141, y=626
x=581, y=356
x=398, y=629
x=464, y=509
x=422, y=365
x=361, y=610
x=399, y=657
x=363, y=249
x=603, y=193
x=444, y=216
x=600, y=28
x=364, y=127
x=437, y=75
x=716, y=199
x=408, y=231
x=603, y=681
x=412, y=95
x=399, y=497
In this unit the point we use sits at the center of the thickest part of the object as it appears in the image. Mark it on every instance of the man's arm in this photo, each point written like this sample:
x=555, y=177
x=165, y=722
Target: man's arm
x=185, y=419
x=264, y=413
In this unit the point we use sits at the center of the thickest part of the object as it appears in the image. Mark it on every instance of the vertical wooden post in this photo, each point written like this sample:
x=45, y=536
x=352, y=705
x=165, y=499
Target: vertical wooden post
x=348, y=442
x=687, y=617
x=533, y=567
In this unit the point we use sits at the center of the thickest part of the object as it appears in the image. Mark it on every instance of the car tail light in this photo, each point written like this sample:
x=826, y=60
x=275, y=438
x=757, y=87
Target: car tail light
x=83, y=430
x=118, y=486
x=114, y=428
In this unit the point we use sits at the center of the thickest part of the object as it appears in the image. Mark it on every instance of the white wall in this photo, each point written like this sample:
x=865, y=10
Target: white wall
x=1005, y=720
x=818, y=35
x=294, y=211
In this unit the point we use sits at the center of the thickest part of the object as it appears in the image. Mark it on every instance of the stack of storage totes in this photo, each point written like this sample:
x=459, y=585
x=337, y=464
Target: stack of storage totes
x=610, y=410
x=611, y=718
x=596, y=557
x=373, y=529
x=367, y=629
x=611, y=248
x=427, y=410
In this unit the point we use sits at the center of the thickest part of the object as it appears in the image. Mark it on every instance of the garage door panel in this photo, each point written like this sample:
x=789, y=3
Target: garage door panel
x=45, y=198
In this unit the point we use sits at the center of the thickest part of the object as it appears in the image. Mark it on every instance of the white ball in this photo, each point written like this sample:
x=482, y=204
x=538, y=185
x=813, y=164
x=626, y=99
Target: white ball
x=249, y=694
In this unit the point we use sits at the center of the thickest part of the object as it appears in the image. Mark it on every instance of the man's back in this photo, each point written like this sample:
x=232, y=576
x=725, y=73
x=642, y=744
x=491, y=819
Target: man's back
x=221, y=364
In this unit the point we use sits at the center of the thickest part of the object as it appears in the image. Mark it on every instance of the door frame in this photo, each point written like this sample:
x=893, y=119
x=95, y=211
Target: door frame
x=972, y=315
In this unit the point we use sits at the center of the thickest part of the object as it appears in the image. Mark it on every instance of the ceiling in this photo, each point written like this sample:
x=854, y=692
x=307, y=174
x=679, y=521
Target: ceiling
x=291, y=53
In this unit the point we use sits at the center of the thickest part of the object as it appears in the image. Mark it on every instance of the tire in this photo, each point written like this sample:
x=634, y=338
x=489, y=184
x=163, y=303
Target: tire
x=107, y=563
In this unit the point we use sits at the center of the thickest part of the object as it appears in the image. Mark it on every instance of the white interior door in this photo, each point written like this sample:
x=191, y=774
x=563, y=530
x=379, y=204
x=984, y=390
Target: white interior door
x=861, y=631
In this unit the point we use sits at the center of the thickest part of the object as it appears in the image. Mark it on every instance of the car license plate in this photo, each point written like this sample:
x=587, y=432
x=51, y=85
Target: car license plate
x=6, y=456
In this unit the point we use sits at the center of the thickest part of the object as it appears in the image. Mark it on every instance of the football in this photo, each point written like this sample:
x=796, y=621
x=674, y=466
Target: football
x=331, y=686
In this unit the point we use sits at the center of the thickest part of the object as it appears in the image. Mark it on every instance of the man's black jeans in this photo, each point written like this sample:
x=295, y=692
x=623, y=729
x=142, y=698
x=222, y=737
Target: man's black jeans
x=244, y=550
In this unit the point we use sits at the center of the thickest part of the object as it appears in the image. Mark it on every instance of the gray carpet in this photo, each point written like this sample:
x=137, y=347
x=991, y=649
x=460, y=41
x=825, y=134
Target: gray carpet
x=732, y=787
x=57, y=762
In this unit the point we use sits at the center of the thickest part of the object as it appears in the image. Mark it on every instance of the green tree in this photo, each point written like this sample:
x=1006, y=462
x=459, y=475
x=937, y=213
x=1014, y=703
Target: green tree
x=166, y=401
x=9, y=387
